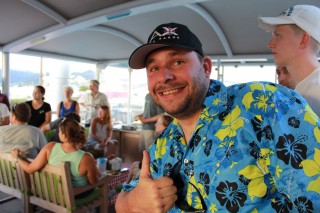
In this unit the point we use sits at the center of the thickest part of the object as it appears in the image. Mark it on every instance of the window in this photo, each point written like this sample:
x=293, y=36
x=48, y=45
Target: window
x=114, y=82
x=24, y=74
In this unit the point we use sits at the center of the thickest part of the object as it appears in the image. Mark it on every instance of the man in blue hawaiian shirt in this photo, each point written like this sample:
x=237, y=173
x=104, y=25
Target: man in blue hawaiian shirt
x=252, y=147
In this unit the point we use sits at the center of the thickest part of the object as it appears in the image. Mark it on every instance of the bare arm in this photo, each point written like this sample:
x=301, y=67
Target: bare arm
x=40, y=161
x=58, y=110
x=108, y=133
x=47, y=119
x=149, y=120
x=88, y=167
x=77, y=108
x=45, y=128
x=94, y=131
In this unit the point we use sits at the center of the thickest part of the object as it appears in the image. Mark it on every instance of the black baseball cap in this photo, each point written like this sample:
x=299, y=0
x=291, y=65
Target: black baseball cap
x=165, y=35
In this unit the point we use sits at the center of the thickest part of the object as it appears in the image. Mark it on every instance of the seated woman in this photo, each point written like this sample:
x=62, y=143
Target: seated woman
x=82, y=165
x=99, y=140
x=40, y=110
x=67, y=105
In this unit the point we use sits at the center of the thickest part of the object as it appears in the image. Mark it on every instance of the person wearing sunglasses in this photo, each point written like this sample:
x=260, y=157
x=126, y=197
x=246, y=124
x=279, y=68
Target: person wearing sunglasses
x=251, y=147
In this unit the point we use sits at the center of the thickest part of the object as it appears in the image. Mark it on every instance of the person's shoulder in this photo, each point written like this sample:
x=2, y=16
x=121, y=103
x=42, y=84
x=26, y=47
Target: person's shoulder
x=34, y=129
x=254, y=84
x=49, y=146
x=95, y=120
x=87, y=158
x=266, y=93
x=7, y=128
x=262, y=86
x=3, y=107
x=102, y=94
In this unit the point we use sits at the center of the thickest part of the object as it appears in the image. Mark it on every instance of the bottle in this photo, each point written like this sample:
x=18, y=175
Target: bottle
x=101, y=164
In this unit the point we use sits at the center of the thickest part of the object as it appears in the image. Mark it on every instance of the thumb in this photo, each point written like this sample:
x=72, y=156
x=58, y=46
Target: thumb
x=145, y=166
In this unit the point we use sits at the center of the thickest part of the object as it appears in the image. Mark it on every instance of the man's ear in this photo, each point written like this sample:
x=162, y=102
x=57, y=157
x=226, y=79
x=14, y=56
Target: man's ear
x=207, y=66
x=305, y=41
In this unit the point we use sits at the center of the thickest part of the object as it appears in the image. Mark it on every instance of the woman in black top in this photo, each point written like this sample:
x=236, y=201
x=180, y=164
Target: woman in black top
x=40, y=110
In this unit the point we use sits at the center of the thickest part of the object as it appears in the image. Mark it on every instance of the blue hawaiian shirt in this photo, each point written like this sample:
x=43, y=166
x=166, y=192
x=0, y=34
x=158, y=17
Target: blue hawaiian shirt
x=256, y=148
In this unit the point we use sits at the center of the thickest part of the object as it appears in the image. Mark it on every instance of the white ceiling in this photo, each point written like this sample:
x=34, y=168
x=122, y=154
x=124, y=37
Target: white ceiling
x=106, y=31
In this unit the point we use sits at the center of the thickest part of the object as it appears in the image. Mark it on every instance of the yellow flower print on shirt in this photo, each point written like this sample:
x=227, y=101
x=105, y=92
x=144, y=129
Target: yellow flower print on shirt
x=262, y=103
x=311, y=117
x=161, y=148
x=230, y=125
x=192, y=191
x=312, y=168
x=256, y=174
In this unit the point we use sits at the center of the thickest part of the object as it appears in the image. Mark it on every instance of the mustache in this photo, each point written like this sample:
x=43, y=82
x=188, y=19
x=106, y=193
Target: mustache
x=168, y=86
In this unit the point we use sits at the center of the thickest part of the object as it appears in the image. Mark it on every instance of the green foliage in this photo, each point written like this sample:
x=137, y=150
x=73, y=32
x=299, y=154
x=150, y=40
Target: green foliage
x=17, y=100
x=83, y=88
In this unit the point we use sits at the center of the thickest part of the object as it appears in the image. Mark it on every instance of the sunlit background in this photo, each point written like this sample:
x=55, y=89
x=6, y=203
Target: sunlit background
x=125, y=89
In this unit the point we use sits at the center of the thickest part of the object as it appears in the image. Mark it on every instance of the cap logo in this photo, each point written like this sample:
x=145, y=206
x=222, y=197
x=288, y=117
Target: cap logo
x=287, y=12
x=169, y=33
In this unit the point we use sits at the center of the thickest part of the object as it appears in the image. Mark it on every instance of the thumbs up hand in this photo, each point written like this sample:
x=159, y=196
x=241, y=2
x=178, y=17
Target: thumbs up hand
x=150, y=195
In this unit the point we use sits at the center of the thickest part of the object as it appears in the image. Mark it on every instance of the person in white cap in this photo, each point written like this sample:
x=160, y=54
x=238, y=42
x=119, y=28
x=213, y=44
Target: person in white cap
x=295, y=43
x=252, y=147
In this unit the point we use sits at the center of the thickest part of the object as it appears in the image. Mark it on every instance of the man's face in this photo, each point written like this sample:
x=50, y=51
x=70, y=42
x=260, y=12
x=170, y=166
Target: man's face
x=285, y=44
x=178, y=80
x=93, y=87
x=284, y=77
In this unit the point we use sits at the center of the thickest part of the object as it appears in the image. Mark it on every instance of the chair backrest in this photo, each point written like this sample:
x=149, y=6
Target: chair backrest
x=51, y=188
x=11, y=181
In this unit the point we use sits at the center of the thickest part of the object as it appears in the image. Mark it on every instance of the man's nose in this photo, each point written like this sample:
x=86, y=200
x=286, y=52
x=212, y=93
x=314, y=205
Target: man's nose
x=271, y=44
x=165, y=74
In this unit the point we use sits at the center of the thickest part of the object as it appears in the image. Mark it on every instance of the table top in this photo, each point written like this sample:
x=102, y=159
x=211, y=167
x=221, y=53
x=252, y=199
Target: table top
x=115, y=184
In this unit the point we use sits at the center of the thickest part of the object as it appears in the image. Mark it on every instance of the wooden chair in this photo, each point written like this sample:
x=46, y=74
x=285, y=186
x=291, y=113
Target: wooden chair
x=51, y=189
x=12, y=181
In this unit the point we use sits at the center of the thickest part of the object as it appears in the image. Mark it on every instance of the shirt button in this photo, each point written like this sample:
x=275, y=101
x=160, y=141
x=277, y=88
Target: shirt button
x=186, y=161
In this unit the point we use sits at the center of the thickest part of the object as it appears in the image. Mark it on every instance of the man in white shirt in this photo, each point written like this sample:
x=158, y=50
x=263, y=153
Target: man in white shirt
x=19, y=134
x=4, y=115
x=92, y=101
x=295, y=43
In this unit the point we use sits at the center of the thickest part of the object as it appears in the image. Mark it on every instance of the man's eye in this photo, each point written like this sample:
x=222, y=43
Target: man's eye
x=178, y=62
x=153, y=69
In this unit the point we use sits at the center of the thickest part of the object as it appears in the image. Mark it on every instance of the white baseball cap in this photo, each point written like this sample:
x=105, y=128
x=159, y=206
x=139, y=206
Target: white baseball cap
x=307, y=17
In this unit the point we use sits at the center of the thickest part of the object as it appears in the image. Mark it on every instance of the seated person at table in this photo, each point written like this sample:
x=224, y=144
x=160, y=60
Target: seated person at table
x=54, y=125
x=99, y=140
x=19, y=134
x=82, y=165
